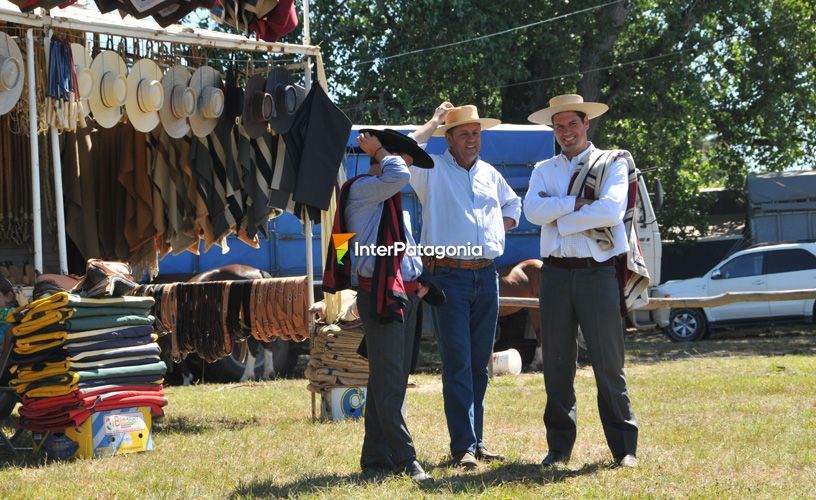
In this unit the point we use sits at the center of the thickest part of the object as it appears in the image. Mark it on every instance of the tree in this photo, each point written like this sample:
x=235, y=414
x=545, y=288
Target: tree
x=701, y=91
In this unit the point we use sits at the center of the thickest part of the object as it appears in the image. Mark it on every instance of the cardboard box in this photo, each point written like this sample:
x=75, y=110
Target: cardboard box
x=103, y=434
x=343, y=402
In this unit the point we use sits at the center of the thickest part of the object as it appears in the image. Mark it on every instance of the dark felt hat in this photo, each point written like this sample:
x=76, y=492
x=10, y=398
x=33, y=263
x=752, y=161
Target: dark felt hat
x=286, y=97
x=257, y=106
x=396, y=142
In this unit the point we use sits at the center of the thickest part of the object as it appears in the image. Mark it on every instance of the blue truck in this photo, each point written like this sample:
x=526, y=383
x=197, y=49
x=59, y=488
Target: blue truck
x=512, y=149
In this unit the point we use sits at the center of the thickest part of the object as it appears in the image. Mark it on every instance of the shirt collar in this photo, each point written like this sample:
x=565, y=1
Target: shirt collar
x=451, y=160
x=580, y=157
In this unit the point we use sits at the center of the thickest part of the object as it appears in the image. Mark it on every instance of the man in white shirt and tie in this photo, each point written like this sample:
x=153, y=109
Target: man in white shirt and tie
x=468, y=206
x=581, y=237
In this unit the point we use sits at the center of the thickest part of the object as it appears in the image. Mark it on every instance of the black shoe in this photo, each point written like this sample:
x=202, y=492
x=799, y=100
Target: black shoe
x=465, y=460
x=554, y=458
x=415, y=472
x=629, y=461
x=485, y=456
x=376, y=467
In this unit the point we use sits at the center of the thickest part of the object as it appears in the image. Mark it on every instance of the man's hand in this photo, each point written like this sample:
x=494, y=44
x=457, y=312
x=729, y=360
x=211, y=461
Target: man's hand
x=509, y=223
x=423, y=290
x=371, y=145
x=441, y=112
x=423, y=134
x=580, y=202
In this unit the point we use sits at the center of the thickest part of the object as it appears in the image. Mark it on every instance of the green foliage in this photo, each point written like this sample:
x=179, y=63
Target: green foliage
x=701, y=91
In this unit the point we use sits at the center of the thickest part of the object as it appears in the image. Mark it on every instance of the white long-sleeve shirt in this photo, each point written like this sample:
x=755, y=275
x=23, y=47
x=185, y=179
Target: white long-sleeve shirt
x=464, y=207
x=549, y=205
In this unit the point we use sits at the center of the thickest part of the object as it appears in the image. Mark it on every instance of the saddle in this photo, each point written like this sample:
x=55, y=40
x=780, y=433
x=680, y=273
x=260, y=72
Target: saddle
x=105, y=279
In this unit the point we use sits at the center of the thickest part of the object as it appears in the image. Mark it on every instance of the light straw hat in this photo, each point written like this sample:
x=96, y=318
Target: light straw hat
x=109, y=88
x=208, y=85
x=179, y=102
x=12, y=73
x=567, y=102
x=145, y=95
x=464, y=115
x=85, y=77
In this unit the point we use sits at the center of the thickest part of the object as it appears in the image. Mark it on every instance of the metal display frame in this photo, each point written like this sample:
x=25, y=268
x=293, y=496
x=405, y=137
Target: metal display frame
x=87, y=21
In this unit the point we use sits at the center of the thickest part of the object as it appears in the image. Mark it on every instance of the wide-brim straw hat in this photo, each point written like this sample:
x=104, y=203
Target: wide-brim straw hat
x=208, y=86
x=567, y=102
x=12, y=73
x=257, y=107
x=85, y=77
x=179, y=102
x=109, y=90
x=145, y=95
x=463, y=115
x=286, y=96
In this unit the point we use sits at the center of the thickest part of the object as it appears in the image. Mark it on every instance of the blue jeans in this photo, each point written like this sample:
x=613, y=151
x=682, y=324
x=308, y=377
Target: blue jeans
x=465, y=330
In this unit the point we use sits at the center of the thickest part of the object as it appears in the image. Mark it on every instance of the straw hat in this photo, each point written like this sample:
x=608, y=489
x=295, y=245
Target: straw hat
x=109, y=89
x=85, y=77
x=257, y=107
x=567, y=102
x=286, y=97
x=11, y=73
x=464, y=115
x=145, y=95
x=207, y=84
x=179, y=102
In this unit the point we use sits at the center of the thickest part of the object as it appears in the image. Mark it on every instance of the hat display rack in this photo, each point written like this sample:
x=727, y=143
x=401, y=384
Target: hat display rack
x=98, y=32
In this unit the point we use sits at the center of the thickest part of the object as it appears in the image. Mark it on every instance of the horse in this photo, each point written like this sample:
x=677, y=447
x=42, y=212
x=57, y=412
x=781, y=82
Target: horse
x=522, y=280
x=248, y=349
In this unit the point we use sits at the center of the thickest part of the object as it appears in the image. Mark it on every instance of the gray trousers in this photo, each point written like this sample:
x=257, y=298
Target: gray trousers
x=387, y=441
x=589, y=298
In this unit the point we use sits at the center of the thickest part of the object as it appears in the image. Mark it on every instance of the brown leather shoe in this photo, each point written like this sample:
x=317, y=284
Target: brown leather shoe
x=485, y=456
x=465, y=460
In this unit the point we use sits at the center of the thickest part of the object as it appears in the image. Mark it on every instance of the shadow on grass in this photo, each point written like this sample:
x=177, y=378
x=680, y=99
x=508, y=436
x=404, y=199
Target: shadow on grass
x=462, y=483
x=186, y=425
x=654, y=346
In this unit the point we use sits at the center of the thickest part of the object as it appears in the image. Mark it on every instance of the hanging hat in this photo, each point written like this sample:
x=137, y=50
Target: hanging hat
x=286, y=98
x=85, y=77
x=257, y=107
x=395, y=142
x=179, y=102
x=207, y=84
x=567, y=102
x=109, y=89
x=145, y=95
x=462, y=116
x=11, y=73
x=233, y=98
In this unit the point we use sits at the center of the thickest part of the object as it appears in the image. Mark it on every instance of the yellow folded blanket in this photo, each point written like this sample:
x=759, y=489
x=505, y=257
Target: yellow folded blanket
x=35, y=343
x=46, y=318
x=26, y=375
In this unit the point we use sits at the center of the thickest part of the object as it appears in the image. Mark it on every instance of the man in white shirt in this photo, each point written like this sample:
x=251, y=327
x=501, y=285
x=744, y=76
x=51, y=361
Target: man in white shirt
x=467, y=206
x=579, y=283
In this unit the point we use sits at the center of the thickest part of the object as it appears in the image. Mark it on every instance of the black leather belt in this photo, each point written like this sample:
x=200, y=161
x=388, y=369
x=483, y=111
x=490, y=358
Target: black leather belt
x=577, y=262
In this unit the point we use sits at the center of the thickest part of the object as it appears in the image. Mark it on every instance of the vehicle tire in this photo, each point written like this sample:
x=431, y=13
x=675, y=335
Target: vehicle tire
x=686, y=325
x=7, y=402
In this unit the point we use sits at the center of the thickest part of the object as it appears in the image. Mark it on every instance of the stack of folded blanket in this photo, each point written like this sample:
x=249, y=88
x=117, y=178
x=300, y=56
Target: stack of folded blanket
x=73, y=356
x=334, y=360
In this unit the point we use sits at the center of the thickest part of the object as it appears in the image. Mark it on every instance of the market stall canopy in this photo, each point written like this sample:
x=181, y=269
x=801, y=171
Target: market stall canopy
x=270, y=19
x=81, y=18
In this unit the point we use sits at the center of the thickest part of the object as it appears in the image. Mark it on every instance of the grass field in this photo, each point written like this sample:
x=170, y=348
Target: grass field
x=733, y=416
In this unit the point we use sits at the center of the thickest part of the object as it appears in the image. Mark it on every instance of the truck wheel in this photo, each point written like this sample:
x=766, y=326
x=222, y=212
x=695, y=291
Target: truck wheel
x=7, y=402
x=686, y=325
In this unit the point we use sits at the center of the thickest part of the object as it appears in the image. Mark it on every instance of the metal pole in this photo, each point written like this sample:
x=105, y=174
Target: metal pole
x=57, y=163
x=307, y=223
x=35, y=152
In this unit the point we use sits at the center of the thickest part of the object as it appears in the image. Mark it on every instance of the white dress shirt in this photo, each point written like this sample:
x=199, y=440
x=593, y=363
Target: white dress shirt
x=549, y=205
x=464, y=207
